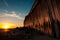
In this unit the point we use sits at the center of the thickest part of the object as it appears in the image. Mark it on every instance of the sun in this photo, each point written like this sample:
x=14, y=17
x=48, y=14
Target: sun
x=7, y=26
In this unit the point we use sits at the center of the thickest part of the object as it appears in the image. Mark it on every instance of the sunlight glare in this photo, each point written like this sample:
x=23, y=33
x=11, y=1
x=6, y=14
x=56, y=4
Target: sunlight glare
x=7, y=26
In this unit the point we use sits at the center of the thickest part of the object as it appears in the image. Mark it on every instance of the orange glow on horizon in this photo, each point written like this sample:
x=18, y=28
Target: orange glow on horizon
x=7, y=26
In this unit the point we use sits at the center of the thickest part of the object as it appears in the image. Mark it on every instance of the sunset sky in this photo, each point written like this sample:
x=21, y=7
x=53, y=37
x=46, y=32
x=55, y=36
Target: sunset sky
x=14, y=11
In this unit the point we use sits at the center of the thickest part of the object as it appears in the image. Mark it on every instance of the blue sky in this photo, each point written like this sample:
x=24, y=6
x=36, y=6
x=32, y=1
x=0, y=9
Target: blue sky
x=14, y=11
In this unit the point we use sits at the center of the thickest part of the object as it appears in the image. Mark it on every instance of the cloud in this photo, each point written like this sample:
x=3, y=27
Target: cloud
x=3, y=10
x=11, y=14
x=11, y=17
x=5, y=3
